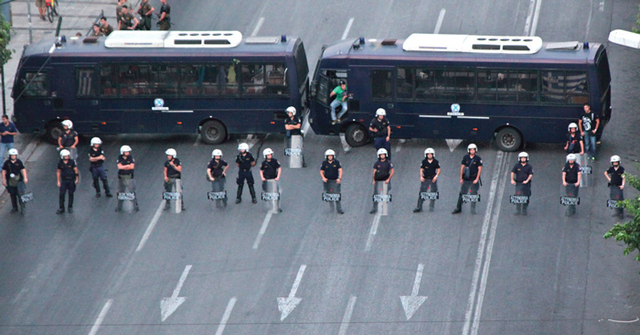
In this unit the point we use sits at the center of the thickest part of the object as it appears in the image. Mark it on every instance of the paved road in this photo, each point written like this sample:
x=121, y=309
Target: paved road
x=100, y=272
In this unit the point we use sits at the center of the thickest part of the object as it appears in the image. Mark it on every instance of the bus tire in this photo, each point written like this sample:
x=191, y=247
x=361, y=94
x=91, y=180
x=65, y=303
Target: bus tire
x=53, y=131
x=356, y=135
x=508, y=139
x=213, y=132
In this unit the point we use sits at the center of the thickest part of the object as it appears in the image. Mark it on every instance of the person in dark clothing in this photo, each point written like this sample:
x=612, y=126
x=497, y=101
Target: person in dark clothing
x=172, y=171
x=521, y=175
x=381, y=130
x=217, y=173
x=98, y=172
x=429, y=172
x=331, y=173
x=589, y=123
x=145, y=11
x=575, y=144
x=67, y=176
x=164, y=18
x=126, y=169
x=245, y=162
x=571, y=176
x=292, y=126
x=13, y=173
x=270, y=169
x=470, y=171
x=615, y=175
x=382, y=171
x=68, y=139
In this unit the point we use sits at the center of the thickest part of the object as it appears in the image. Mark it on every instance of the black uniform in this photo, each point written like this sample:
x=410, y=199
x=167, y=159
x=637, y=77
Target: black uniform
x=126, y=180
x=68, y=138
x=15, y=169
x=293, y=121
x=172, y=174
x=145, y=22
x=245, y=163
x=270, y=168
x=380, y=136
x=331, y=173
x=429, y=171
x=67, y=182
x=520, y=174
x=382, y=172
x=574, y=143
x=615, y=193
x=571, y=177
x=98, y=171
x=471, y=168
x=217, y=185
x=166, y=23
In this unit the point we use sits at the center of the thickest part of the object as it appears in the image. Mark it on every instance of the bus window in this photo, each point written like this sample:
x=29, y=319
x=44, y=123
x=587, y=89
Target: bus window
x=134, y=80
x=276, y=79
x=108, y=80
x=576, y=87
x=323, y=89
x=425, y=84
x=455, y=85
x=253, y=79
x=302, y=67
x=35, y=84
x=191, y=80
x=404, y=80
x=229, y=82
x=164, y=79
x=85, y=83
x=381, y=84
x=525, y=84
x=564, y=87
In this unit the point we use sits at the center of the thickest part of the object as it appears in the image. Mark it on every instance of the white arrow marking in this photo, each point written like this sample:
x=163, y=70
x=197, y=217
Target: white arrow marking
x=286, y=305
x=169, y=305
x=414, y=301
x=345, y=146
x=453, y=144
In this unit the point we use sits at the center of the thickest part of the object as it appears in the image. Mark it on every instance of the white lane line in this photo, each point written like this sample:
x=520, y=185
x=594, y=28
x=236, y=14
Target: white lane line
x=344, y=326
x=400, y=143
x=531, y=24
x=346, y=30
x=372, y=232
x=258, y=26
x=489, y=252
x=226, y=315
x=101, y=316
x=500, y=162
x=263, y=230
x=440, y=20
x=534, y=25
x=152, y=225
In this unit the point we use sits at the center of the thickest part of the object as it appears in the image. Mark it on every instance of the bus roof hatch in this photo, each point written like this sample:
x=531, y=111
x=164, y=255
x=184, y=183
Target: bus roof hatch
x=173, y=39
x=473, y=43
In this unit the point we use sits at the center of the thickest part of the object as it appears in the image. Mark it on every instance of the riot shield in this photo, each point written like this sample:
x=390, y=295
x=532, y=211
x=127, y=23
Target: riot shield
x=126, y=194
x=218, y=193
x=271, y=195
x=293, y=149
x=586, y=179
x=381, y=197
x=175, y=196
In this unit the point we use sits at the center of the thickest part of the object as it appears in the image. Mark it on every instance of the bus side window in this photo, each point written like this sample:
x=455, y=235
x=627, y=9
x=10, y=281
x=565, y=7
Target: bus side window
x=553, y=87
x=405, y=83
x=108, y=80
x=276, y=81
x=253, y=79
x=164, y=78
x=35, y=84
x=191, y=79
x=229, y=84
x=425, y=84
x=85, y=83
x=576, y=87
x=381, y=84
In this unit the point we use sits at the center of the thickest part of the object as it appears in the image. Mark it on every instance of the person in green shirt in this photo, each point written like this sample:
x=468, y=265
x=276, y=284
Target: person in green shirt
x=340, y=92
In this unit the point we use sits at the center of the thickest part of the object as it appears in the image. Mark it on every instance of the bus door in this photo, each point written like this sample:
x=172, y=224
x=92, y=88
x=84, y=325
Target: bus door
x=63, y=97
x=327, y=81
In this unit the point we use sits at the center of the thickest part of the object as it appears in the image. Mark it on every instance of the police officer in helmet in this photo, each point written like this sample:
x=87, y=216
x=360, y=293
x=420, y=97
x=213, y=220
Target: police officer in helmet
x=217, y=173
x=470, y=171
x=615, y=175
x=382, y=171
x=270, y=169
x=571, y=176
x=521, y=175
x=172, y=171
x=13, y=172
x=126, y=168
x=68, y=138
x=245, y=162
x=331, y=173
x=98, y=172
x=67, y=176
x=429, y=172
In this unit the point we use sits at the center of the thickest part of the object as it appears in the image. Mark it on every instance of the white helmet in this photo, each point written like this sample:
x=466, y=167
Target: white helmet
x=243, y=146
x=572, y=125
x=14, y=152
x=216, y=152
x=430, y=151
x=381, y=111
x=266, y=152
x=67, y=123
x=571, y=157
x=615, y=158
x=125, y=148
x=472, y=146
x=96, y=140
x=171, y=152
x=64, y=152
x=523, y=154
x=291, y=109
x=330, y=152
x=382, y=151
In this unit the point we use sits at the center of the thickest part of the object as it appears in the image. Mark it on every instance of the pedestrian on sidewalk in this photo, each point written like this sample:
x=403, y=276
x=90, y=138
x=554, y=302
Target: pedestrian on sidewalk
x=7, y=131
x=41, y=8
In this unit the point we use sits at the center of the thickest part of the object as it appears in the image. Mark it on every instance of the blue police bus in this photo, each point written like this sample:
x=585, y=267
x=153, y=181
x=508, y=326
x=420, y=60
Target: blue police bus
x=478, y=88
x=215, y=83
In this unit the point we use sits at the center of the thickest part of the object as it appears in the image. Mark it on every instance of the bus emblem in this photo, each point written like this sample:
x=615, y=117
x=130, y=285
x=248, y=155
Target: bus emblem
x=160, y=103
x=455, y=110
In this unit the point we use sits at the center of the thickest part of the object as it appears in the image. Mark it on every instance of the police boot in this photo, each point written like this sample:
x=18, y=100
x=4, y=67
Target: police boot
x=14, y=203
x=61, y=200
x=70, y=203
x=473, y=208
x=419, y=207
x=239, y=196
x=458, y=205
x=224, y=201
x=432, y=205
x=339, y=208
x=167, y=204
x=107, y=191
x=96, y=185
x=253, y=194
x=518, y=209
x=524, y=209
x=374, y=209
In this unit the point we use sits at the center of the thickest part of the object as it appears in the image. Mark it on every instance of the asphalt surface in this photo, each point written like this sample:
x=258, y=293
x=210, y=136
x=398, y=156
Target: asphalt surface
x=227, y=270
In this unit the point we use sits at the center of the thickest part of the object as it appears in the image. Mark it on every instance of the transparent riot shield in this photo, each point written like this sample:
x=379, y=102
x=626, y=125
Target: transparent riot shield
x=332, y=194
x=586, y=179
x=293, y=149
x=127, y=195
x=381, y=197
x=175, y=196
x=271, y=195
x=218, y=193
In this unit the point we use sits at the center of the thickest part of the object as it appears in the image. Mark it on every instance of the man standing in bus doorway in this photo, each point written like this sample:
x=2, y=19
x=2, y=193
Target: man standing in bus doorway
x=67, y=176
x=68, y=139
x=270, y=169
x=126, y=169
x=98, y=172
x=172, y=171
x=615, y=175
x=127, y=20
x=571, y=180
x=145, y=11
x=429, y=172
x=331, y=173
x=7, y=131
x=164, y=18
x=470, y=171
x=521, y=175
x=381, y=130
x=382, y=171
x=589, y=123
x=245, y=162
x=340, y=94
x=574, y=145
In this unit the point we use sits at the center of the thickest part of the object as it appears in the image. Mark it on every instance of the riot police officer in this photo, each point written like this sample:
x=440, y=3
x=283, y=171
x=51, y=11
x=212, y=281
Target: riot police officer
x=126, y=169
x=382, y=171
x=68, y=138
x=571, y=176
x=381, y=130
x=470, y=171
x=615, y=175
x=575, y=143
x=245, y=162
x=521, y=175
x=67, y=176
x=98, y=172
x=217, y=173
x=429, y=172
x=292, y=126
x=331, y=173
x=13, y=172
x=172, y=171
x=270, y=169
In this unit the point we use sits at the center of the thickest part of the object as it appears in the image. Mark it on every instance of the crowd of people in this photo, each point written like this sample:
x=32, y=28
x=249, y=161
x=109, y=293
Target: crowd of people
x=127, y=20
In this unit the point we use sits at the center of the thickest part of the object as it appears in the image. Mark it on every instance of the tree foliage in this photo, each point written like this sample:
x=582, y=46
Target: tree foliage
x=635, y=28
x=5, y=37
x=629, y=232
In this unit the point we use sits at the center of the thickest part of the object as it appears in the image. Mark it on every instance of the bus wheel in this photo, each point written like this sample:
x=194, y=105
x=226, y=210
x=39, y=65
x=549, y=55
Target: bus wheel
x=53, y=132
x=356, y=135
x=213, y=132
x=508, y=139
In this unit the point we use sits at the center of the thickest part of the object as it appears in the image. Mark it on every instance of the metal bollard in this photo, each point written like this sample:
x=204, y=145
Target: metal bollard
x=294, y=151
